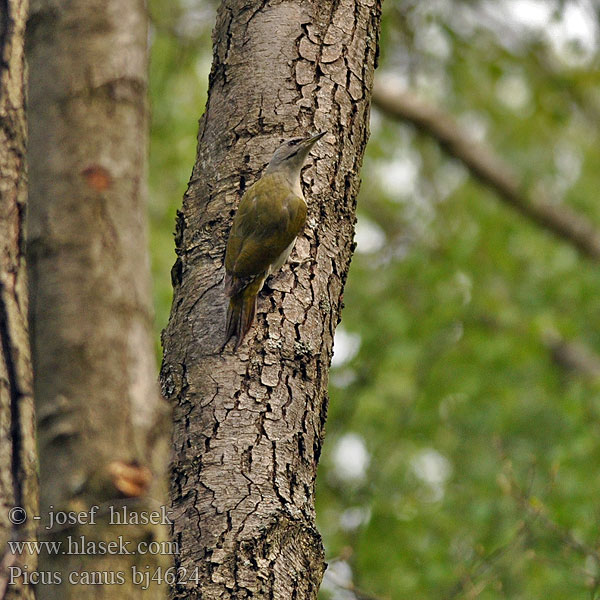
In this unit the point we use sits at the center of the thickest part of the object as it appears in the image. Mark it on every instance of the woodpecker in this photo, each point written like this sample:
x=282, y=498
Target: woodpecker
x=270, y=216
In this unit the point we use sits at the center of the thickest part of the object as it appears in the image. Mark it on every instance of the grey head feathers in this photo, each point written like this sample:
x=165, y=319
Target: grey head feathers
x=290, y=156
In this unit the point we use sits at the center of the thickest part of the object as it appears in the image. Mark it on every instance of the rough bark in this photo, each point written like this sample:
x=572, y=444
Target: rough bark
x=102, y=425
x=18, y=475
x=249, y=425
x=491, y=170
x=18, y=467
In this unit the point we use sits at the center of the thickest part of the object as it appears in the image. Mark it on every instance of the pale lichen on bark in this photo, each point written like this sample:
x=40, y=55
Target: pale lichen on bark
x=249, y=426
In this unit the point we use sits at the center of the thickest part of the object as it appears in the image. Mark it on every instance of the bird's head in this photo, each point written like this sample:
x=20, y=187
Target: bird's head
x=292, y=153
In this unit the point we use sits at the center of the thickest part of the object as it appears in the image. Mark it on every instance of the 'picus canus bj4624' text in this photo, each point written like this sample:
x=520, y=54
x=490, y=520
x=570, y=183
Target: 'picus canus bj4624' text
x=270, y=216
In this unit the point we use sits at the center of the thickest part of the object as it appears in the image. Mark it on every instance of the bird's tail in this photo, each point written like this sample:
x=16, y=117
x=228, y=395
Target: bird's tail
x=240, y=315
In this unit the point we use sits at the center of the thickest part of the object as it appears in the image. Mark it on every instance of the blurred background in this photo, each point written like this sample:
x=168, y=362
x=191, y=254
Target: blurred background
x=463, y=442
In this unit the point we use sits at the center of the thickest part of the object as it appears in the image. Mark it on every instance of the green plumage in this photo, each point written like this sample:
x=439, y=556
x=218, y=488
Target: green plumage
x=267, y=222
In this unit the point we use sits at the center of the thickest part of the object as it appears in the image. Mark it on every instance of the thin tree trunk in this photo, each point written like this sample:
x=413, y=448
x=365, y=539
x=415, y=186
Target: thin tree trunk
x=18, y=475
x=101, y=420
x=249, y=425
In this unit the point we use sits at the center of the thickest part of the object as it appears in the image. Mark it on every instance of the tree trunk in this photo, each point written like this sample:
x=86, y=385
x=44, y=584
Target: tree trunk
x=249, y=424
x=101, y=421
x=18, y=475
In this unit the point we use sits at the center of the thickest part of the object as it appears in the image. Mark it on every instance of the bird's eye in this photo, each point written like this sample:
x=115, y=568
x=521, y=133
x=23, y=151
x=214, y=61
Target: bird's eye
x=293, y=142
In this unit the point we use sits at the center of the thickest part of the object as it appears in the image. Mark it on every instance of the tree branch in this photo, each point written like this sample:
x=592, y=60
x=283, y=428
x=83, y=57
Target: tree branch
x=490, y=169
x=573, y=356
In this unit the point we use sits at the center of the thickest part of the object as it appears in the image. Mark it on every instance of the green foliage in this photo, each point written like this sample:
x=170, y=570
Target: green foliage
x=480, y=473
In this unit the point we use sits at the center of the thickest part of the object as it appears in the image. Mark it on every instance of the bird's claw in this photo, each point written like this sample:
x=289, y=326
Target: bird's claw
x=298, y=263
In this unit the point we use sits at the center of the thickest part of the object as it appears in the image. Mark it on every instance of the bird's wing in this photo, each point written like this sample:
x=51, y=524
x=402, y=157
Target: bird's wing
x=268, y=220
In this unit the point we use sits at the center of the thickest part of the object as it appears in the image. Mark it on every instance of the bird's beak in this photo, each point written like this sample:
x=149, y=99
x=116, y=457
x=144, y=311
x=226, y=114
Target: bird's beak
x=314, y=138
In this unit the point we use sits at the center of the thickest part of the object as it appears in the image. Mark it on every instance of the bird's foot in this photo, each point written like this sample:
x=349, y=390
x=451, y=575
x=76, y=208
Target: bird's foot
x=298, y=263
